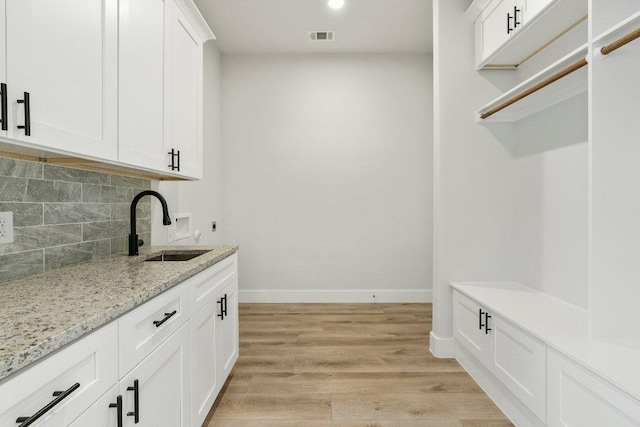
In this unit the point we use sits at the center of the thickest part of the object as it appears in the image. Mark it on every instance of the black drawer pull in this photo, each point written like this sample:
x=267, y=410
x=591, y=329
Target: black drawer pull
x=175, y=154
x=3, y=101
x=136, y=402
x=27, y=114
x=118, y=406
x=167, y=316
x=61, y=395
x=480, y=324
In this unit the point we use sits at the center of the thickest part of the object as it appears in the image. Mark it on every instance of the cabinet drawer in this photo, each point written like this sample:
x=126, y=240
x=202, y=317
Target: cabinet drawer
x=203, y=285
x=147, y=326
x=500, y=23
x=91, y=362
x=579, y=398
x=469, y=324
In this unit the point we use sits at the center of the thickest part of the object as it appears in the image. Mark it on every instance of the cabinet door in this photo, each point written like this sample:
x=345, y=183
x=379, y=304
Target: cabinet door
x=578, y=398
x=519, y=362
x=141, y=84
x=101, y=414
x=227, y=342
x=184, y=93
x=64, y=54
x=499, y=24
x=163, y=385
x=469, y=326
x=204, y=380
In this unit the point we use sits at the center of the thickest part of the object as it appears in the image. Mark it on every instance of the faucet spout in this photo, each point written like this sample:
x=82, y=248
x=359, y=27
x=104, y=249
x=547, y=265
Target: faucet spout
x=166, y=219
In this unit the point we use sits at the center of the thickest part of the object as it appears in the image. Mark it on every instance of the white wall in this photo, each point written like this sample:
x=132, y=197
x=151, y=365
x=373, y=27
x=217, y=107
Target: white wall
x=203, y=199
x=327, y=175
x=474, y=187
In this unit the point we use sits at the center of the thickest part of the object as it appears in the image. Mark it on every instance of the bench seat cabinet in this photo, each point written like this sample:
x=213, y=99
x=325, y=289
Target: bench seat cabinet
x=91, y=362
x=210, y=331
x=513, y=357
x=579, y=398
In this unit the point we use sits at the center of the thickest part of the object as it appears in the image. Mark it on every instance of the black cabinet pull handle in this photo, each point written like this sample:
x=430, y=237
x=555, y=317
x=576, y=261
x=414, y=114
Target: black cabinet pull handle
x=27, y=114
x=480, y=324
x=118, y=406
x=61, y=395
x=167, y=316
x=223, y=307
x=487, y=316
x=509, y=29
x=3, y=101
x=515, y=17
x=136, y=402
x=175, y=155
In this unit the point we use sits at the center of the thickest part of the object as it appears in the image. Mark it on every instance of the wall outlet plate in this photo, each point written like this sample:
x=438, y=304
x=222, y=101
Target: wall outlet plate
x=6, y=227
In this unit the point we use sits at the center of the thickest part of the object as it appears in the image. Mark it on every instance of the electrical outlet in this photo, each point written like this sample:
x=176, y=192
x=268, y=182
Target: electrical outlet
x=6, y=227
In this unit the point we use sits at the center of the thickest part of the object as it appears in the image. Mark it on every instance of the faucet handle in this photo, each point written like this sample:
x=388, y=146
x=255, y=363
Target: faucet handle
x=140, y=242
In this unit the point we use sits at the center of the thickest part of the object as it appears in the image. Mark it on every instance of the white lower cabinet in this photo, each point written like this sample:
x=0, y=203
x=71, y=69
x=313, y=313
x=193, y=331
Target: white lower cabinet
x=102, y=413
x=83, y=372
x=173, y=363
x=157, y=391
x=579, y=398
x=515, y=358
x=227, y=338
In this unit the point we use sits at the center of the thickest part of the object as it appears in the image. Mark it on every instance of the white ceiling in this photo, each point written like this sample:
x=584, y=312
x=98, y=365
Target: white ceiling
x=281, y=26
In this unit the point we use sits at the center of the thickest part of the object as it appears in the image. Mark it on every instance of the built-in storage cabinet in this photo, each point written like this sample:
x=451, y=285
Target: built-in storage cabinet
x=61, y=75
x=141, y=84
x=174, y=353
x=509, y=32
x=157, y=391
x=579, y=398
x=73, y=379
x=514, y=357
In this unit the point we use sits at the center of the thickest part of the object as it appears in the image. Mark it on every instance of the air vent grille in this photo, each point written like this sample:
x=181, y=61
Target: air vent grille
x=322, y=36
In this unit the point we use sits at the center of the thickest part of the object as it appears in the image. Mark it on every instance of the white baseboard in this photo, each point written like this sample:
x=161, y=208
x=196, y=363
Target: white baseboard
x=370, y=296
x=444, y=348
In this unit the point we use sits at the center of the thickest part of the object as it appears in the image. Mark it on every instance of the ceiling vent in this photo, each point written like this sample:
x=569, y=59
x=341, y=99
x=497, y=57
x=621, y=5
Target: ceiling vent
x=322, y=36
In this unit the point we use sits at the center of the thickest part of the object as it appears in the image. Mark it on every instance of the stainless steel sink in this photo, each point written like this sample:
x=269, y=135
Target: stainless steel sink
x=177, y=255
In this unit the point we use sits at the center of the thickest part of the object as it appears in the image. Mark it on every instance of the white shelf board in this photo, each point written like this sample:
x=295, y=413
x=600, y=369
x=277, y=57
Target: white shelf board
x=563, y=327
x=558, y=91
x=552, y=21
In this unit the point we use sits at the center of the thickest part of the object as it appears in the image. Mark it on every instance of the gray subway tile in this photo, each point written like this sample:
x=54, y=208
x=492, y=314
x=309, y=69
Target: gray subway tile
x=66, y=213
x=42, y=236
x=128, y=181
x=116, y=194
x=143, y=225
x=72, y=254
x=91, y=193
x=20, y=168
x=24, y=214
x=21, y=264
x=104, y=230
x=123, y=211
x=59, y=173
x=53, y=191
x=12, y=189
x=119, y=245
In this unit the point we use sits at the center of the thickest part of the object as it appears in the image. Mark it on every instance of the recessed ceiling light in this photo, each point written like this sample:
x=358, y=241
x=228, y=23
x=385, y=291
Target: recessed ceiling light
x=336, y=4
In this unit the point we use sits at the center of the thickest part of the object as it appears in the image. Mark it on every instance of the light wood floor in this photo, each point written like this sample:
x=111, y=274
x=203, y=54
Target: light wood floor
x=346, y=365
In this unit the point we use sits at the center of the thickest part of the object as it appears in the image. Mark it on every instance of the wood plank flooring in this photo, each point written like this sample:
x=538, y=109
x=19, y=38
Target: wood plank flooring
x=346, y=365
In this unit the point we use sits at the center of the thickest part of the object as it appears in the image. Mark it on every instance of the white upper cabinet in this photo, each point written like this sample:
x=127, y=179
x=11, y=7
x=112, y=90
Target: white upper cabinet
x=64, y=56
x=509, y=32
x=161, y=86
x=141, y=112
x=183, y=103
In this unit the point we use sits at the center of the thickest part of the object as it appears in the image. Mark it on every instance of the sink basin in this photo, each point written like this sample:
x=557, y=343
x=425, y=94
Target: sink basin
x=176, y=256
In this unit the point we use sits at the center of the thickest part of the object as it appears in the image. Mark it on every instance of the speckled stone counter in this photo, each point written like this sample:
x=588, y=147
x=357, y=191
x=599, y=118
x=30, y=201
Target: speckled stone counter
x=40, y=314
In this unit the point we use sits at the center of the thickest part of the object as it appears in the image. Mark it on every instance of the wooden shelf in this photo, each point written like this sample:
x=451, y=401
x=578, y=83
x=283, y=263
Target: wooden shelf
x=567, y=87
x=554, y=20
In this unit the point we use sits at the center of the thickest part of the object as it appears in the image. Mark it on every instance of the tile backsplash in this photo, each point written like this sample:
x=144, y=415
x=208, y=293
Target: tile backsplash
x=64, y=216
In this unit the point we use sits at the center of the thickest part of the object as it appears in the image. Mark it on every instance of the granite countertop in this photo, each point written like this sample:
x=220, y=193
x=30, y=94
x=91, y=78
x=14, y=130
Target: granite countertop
x=40, y=314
